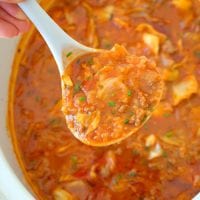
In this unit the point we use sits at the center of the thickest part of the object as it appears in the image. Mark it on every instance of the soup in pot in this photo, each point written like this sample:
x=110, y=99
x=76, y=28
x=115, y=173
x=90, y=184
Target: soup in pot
x=161, y=160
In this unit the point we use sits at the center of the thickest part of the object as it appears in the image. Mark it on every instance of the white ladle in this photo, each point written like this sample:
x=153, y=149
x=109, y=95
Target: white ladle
x=59, y=42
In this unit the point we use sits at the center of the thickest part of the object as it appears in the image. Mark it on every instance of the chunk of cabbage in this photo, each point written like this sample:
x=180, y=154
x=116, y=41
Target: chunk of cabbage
x=89, y=121
x=156, y=152
x=60, y=194
x=170, y=74
x=150, y=140
x=184, y=89
x=163, y=108
x=94, y=122
x=152, y=41
x=67, y=80
x=147, y=28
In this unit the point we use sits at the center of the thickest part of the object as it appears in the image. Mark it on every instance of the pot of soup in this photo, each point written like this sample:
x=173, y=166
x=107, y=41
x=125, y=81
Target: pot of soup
x=41, y=159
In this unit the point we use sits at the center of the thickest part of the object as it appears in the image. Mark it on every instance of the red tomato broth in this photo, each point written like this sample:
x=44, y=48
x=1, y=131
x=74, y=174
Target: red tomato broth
x=53, y=159
x=109, y=95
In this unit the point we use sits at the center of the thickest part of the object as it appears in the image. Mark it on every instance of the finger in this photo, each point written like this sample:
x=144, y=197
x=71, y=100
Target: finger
x=13, y=10
x=12, y=1
x=7, y=30
x=21, y=25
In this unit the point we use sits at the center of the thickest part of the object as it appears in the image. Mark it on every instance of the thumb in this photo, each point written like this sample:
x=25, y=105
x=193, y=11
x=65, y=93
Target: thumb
x=11, y=1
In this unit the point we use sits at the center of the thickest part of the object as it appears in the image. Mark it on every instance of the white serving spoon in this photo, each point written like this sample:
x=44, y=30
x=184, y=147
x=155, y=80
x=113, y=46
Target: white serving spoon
x=59, y=42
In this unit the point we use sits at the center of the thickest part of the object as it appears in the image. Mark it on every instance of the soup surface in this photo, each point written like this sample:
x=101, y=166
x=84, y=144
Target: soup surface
x=161, y=160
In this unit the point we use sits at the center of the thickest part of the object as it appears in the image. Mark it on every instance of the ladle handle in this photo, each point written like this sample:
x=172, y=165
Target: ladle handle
x=55, y=37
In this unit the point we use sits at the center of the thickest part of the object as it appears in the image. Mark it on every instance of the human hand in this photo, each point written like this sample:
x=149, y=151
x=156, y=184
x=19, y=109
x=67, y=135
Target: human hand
x=12, y=20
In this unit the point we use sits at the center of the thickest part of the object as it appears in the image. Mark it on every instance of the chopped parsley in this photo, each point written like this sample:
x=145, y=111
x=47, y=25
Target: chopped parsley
x=82, y=99
x=169, y=134
x=151, y=108
x=131, y=113
x=126, y=121
x=111, y=104
x=90, y=61
x=89, y=78
x=129, y=93
x=135, y=152
x=164, y=154
x=77, y=87
x=117, y=178
x=74, y=162
x=131, y=174
x=55, y=122
x=107, y=44
x=68, y=54
x=144, y=118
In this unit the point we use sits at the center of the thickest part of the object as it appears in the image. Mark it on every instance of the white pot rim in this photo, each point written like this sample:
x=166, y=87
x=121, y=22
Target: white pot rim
x=12, y=185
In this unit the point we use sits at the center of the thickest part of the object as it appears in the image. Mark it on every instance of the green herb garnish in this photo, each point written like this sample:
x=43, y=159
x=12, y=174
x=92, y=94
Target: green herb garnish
x=112, y=104
x=131, y=174
x=135, y=152
x=151, y=108
x=169, y=134
x=129, y=93
x=126, y=121
x=77, y=87
x=82, y=99
x=74, y=161
x=164, y=154
x=68, y=54
x=55, y=121
x=117, y=178
x=90, y=61
x=107, y=44
x=144, y=119
x=89, y=78
x=131, y=113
